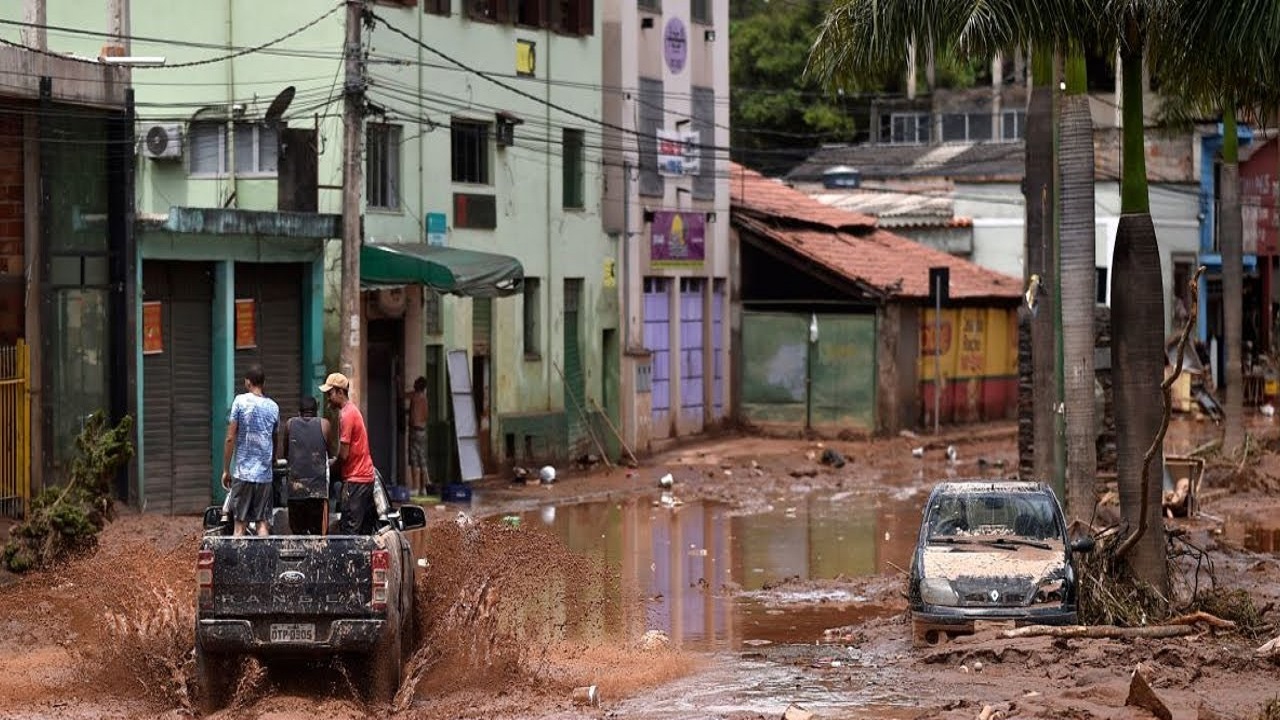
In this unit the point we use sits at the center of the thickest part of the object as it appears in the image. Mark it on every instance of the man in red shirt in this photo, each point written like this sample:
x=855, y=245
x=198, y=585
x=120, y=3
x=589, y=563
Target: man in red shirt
x=353, y=460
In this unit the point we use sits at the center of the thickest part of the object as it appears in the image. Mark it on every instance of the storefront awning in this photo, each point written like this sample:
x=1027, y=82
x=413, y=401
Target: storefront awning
x=469, y=273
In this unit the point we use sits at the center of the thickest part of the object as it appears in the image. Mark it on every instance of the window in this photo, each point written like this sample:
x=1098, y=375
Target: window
x=491, y=10
x=650, y=121
x=431, y=311
x=654, y=5
x=572, y=141
x=966, y=127
x=573, y=17
x=909, y=128
x=704, y=122
x=470, y=141
x=531, y=13
x=701, y=11
x=208, y=148
x=257, y=148
x=532, y=314
x=1014, y=124
x=400, y=3
x=436, y=7
x=1100, y=286
x=475, y=211
x=382, y=167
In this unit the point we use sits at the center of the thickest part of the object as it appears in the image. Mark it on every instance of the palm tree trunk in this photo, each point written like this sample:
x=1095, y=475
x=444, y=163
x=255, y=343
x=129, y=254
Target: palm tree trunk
x=1078, y=290
x=1230, y=244
x=1137, y=341
x=1040, y=193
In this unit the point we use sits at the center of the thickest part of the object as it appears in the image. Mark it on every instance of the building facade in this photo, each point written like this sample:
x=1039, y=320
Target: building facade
x=65, y=267
x=480, y=149
x=666, y=200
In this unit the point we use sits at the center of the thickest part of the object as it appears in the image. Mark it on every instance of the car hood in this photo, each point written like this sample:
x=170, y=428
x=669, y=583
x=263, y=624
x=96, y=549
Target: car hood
x=969, y=562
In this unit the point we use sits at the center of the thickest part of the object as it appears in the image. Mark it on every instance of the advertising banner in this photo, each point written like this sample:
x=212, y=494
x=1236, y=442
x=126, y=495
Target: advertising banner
x=677, y=239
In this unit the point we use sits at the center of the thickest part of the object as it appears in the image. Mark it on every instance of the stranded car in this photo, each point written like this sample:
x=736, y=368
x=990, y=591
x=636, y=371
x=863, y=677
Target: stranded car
x=991, y=551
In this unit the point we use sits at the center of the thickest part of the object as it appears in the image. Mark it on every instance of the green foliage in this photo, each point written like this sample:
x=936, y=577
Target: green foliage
x=775, y=105
x=65, y=520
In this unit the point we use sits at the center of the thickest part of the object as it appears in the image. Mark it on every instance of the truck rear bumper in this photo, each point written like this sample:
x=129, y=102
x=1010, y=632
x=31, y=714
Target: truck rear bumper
x=235, y=635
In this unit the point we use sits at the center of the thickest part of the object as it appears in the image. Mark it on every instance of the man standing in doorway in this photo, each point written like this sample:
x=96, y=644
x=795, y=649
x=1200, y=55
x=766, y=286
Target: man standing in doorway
x=418, y=412
x=249, y=453
x=353, y=458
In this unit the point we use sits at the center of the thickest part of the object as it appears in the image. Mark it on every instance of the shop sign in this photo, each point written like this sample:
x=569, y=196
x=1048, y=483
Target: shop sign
x=679, y=153
x=437, y=228
x=152, y=323
x=246, y=326
x=610, y=273
x=677, y=239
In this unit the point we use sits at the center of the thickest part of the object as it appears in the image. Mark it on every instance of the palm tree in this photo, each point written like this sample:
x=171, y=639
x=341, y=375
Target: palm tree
x=861, y=36
x=1224, y=58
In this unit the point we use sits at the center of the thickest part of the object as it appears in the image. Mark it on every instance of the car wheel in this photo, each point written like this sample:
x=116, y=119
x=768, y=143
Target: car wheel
x=216, y=675
x=924, y=636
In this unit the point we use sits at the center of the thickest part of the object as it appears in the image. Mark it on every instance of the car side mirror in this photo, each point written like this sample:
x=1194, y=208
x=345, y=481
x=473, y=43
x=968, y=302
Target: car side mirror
x=1083, y=545
x=213, y=517
x=412, y=517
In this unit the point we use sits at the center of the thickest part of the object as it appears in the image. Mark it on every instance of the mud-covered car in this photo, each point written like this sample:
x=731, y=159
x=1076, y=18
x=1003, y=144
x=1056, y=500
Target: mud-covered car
x=991, y=551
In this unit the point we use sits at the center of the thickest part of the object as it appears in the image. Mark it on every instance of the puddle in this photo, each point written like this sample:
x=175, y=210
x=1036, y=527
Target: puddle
x=690, y=561
x=1252, y=535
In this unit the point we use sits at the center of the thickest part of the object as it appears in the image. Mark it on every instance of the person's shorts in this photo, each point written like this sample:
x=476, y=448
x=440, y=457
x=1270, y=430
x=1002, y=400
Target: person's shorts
x=357, y=509
x=251, y=501
x=418, y=448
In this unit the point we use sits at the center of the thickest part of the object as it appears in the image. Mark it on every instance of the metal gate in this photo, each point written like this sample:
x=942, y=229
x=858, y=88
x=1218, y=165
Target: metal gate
x=717, y=349
x=15, y=431
x=575, y=385
x=691, y=360
x=657, y=338
x=275, y=343
x=177, y=372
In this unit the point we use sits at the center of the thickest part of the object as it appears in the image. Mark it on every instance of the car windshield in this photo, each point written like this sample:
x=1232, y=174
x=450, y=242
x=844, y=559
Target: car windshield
x=992, y=515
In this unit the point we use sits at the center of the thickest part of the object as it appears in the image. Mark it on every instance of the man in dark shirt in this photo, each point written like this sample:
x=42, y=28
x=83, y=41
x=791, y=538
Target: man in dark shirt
x=306, y=444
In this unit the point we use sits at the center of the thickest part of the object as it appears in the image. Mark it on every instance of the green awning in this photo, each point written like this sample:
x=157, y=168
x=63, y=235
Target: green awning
x=469, y=273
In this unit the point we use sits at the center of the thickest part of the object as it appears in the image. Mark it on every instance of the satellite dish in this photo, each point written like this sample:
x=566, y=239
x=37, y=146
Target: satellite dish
x=276, y=110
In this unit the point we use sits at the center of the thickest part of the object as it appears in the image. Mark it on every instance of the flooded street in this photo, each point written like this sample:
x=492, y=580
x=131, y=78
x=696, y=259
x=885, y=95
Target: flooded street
x=707, y=571
x=767, y=580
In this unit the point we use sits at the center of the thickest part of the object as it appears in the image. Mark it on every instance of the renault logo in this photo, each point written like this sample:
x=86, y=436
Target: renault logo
x=995, y=595
x=292, y=577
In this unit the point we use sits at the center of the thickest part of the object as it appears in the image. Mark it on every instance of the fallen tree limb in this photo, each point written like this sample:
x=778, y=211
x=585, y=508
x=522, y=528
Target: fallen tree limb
x=1201, y=616
x=1100, y=631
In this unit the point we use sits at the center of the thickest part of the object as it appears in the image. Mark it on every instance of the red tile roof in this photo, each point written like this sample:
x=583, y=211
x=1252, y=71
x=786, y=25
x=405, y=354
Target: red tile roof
x=752, y=191
x=849, y=243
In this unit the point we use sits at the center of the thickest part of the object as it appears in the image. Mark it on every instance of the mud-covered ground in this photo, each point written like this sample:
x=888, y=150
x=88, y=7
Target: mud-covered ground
x=512, y=620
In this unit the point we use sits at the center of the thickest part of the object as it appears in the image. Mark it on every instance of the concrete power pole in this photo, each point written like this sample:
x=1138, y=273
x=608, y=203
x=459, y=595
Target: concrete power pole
x=34, y=34
x=352, y=357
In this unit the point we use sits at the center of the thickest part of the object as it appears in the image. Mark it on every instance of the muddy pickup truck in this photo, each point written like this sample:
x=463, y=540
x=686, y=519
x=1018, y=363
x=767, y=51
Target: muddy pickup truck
x=306, y=596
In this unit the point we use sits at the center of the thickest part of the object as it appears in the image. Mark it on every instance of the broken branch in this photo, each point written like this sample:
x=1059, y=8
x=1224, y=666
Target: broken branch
x=1099, y=631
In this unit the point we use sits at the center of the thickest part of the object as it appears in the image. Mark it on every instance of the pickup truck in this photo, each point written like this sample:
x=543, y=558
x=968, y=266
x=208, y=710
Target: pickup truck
x=307, y=596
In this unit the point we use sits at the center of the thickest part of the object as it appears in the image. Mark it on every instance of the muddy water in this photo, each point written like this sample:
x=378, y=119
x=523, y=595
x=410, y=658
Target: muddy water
x=1253, y=535
x=706, y=572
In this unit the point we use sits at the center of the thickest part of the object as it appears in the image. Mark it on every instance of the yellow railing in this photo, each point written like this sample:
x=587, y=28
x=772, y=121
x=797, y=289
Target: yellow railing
x=15, y=430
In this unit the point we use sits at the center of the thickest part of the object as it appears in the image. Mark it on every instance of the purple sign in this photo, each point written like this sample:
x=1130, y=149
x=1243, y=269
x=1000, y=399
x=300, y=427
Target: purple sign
x=677, y=239
x=675, y=45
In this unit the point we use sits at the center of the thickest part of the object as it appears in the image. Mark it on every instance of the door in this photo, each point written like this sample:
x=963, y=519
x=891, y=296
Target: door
x=383, y=375
x=481, y=344
x=177, y=376
x=717, y=349
x=657, y=338
x=691, y=358
x=775, y=354
x=575, y=384
x=844, y=372
x=270, y=296
x=298, y=171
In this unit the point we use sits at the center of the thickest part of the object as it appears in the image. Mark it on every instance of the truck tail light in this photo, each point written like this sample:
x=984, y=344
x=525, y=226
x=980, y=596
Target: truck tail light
x=204, y=577
x=380, y=562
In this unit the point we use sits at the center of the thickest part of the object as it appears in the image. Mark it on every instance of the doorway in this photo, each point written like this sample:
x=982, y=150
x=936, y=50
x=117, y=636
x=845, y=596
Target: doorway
x=481, y=344
x=384, y=373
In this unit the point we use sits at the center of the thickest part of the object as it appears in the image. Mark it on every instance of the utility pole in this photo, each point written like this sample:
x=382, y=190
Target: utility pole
x=352, y=357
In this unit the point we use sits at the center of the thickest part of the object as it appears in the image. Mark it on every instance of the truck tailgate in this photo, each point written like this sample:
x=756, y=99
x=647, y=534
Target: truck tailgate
x=290, y=575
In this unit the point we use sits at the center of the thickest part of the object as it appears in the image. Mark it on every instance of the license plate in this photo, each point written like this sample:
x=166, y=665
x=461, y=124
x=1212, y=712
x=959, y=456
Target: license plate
x=293, y=632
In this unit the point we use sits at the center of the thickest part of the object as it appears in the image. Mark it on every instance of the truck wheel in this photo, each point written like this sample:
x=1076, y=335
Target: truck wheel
x=215, y=679
x=385, y=665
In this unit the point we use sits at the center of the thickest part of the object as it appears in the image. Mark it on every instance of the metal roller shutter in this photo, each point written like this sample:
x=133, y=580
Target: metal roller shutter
x=276, y=290
x=176, y=389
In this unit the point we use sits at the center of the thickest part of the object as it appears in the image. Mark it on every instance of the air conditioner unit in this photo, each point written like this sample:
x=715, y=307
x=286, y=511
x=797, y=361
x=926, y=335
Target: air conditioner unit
x=163, y=141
